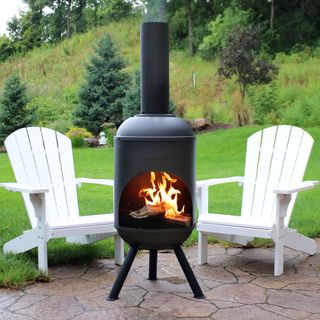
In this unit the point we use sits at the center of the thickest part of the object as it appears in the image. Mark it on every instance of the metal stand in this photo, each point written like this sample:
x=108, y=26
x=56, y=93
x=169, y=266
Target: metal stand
x=198, y=294
x=122, y=274
x=153, y=257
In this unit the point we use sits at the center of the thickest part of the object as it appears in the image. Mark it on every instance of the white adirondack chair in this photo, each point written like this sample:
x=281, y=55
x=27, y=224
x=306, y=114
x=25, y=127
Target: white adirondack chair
x=276, y=160
x=42, y=162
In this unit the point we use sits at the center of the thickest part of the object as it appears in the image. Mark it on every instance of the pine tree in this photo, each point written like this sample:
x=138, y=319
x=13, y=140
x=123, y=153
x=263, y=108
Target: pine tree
x=13, y=112
x=131, y=102
x=100, y=97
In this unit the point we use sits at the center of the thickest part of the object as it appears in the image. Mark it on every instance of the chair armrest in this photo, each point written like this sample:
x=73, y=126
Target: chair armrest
x=104, y=182
x=213, y=182
x=304, y=185
x=17, y=187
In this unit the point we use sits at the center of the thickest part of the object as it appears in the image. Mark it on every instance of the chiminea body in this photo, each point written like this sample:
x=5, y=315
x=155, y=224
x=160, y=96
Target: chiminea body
x=146, y=144
x=154, y=150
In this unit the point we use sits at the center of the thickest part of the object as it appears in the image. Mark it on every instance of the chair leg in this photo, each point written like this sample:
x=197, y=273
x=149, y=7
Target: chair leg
x=118, y=250
x=202, y=248
x=43, y=256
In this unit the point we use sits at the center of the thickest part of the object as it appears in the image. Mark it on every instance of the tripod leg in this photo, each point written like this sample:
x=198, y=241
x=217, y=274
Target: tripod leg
x=153, y=257
x=198, y=294
x=122, y=274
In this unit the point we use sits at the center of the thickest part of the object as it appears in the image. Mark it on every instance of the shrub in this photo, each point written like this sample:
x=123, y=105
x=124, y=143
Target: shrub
x=49, y=110
x=61, y=125
x=304, y=112
x=77, y=136
x=264, y=100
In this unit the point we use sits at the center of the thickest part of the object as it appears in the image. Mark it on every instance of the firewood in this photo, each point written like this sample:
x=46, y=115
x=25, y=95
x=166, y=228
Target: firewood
x=147, y=211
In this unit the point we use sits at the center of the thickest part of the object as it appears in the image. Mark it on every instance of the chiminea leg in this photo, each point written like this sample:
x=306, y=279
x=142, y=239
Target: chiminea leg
x=153, y=257
x=198, y=294
x=124, y=270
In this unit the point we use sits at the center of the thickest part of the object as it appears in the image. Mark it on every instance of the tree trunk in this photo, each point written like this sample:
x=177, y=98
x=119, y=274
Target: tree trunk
x=272, y=15
x=69, y=19
x=190, y=32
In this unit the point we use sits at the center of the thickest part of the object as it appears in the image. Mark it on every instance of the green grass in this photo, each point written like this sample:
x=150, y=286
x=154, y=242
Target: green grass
x=219, y=154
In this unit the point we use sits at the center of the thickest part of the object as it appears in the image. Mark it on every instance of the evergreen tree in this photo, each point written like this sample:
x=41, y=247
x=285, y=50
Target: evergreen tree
x=131, y=102
x=100, y=97
x=13, y=112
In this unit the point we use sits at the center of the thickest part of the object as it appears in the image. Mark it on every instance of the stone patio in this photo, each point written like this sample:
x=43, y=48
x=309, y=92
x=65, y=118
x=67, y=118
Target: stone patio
x=238, y=284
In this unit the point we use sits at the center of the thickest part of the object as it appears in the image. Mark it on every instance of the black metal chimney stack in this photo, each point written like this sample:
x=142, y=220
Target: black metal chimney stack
x=154, y=61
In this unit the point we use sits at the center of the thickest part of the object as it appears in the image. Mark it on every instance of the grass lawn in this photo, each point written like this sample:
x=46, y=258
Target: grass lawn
x=219, y=154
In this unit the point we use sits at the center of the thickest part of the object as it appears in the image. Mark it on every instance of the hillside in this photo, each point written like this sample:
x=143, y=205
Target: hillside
x=53, y=75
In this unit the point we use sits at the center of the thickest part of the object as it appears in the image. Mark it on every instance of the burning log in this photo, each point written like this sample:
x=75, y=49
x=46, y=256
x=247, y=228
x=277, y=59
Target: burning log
x=149, y=211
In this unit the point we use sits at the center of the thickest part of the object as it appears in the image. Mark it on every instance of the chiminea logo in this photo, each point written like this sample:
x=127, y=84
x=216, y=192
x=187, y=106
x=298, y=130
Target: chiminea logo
x=155, y=159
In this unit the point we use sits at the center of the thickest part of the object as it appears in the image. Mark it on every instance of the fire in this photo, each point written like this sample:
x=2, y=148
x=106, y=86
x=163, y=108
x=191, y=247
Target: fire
x=163, y=195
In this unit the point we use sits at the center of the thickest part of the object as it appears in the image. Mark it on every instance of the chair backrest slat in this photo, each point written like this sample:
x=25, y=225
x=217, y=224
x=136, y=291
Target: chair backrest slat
x=40, y=156
x=250, y=172
x=280, y=159
x=67, y=168
x=20, y=169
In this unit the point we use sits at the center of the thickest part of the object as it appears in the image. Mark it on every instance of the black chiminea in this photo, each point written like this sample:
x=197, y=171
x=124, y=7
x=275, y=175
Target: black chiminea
x=154, y=182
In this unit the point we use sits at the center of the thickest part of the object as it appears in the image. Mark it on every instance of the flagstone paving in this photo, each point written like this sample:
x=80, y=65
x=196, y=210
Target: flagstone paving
x=238, y=284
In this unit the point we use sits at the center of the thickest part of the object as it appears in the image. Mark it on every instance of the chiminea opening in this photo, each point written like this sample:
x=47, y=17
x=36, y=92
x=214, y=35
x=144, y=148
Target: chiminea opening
x=155, y=200
x=154, y=181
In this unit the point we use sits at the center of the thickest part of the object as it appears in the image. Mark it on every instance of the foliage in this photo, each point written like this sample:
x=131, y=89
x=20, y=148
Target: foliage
x=220, y=28
x=264, y=100
x=294, y=21
x=47, y=110
x=106, y=83
x=77, y=136
x=132, y=100
x=239, y=58
x=6, y=48
x=304, y=112
x=13, y=112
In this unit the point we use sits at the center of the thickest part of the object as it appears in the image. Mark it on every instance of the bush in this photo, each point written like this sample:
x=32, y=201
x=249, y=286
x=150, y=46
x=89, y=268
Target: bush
x=264, y=100
x=61, y=125
x=304, y=112
x=77, y=136
x=49, y=110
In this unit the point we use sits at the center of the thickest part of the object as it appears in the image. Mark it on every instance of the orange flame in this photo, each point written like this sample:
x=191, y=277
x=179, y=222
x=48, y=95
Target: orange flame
x=159, y=196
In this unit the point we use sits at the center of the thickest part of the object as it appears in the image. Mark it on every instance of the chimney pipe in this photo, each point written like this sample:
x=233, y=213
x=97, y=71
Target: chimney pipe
x=154, y=62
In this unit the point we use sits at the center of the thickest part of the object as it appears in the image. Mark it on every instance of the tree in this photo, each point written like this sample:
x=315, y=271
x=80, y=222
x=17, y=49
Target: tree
x=6, y=48
x=132, y=100
x=220, y=28
x=13, y=112
x=240, y=58
x=100, y=97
